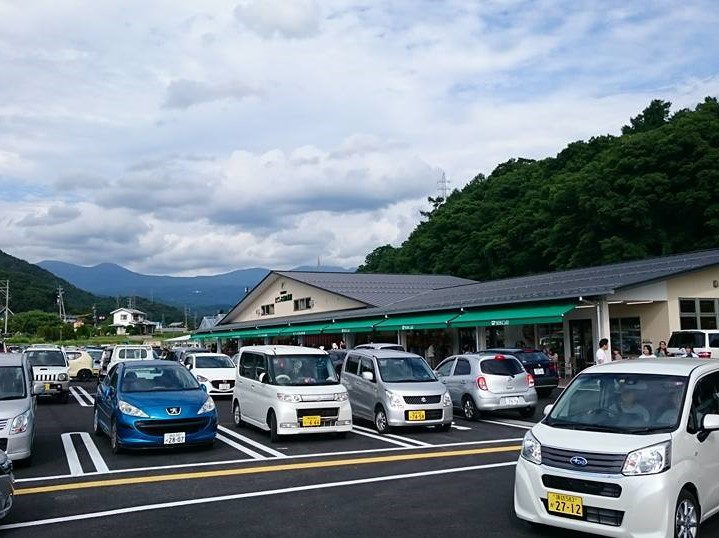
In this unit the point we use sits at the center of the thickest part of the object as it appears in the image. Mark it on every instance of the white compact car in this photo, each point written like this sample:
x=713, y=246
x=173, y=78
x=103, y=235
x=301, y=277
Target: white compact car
x=289, y=390
x=213, y=370
x=630, y=449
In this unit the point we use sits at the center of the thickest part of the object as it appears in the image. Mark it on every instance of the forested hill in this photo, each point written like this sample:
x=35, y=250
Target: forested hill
x=34, y=288
x=652, y=191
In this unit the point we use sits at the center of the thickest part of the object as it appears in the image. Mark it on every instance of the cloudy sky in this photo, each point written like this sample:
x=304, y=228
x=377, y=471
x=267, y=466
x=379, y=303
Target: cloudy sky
x=184, y=137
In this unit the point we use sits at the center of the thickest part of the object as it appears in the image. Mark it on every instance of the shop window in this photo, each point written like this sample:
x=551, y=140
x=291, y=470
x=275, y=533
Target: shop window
x=698, y=313
x=304, y=304
x=626, y=335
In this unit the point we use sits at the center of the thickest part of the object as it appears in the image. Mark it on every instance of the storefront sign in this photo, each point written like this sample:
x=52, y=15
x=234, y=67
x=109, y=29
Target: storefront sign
x=283, y=298
x=498, y=322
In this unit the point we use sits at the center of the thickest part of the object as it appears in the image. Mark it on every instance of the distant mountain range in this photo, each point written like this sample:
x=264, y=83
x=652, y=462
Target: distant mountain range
x=207, y=294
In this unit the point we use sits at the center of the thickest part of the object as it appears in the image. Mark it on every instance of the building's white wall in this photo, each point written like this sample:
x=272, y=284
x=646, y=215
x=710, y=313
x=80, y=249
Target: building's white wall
x=324, y=301
x=699, y=284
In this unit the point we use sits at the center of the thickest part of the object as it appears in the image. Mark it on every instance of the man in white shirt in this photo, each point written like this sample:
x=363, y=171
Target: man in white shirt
x=602, y=355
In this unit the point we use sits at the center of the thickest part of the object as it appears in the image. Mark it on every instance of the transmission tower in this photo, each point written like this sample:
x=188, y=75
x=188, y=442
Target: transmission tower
x=443, y=186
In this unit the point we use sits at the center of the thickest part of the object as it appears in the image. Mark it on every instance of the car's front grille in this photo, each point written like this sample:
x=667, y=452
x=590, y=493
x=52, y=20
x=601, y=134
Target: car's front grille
x=3, y=443
x=45, y=377
x=328, y=416
x=419, y=400
x=3, y=423
x=592, y=514
x=216, y=384
x=161, y=427
x=596, y=462
x=604, y=489
x=429, y=414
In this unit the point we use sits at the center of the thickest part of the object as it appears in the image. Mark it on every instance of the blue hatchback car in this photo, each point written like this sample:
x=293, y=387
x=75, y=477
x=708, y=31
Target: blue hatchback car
x=151, y=404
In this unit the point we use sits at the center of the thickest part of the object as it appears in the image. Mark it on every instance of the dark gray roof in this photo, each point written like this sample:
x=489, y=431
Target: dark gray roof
x=561, y=285
x=587, y=282
x=375, y=289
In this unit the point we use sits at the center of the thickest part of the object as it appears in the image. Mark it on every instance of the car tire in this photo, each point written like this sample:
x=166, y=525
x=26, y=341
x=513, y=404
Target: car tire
x=114, y=441
x=237, y=415
x=444, y=427
x=545, y=392
x=274, y=436
x=84, y=375
x=469, y=409
x=686, y=516
x=381, y=423
x=96, y=428
x=527, y=412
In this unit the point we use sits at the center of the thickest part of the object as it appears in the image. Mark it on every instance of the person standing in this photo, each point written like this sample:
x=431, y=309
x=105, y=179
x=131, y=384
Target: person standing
x=690, y=353
x=647, y=352
x=662, y=350
x=602, y=356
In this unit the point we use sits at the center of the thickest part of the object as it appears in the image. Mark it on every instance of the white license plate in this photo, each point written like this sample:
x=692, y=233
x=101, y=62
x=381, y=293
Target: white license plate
x=512, y=400
x=174, y=438
x=539, y=371
x=224, y=386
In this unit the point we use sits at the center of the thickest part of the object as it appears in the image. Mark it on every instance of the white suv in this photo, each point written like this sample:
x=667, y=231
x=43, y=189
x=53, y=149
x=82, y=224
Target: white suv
x=124, y=353
x=289, y=390
x=705, y=343
x=629, y=449
x=50, y=367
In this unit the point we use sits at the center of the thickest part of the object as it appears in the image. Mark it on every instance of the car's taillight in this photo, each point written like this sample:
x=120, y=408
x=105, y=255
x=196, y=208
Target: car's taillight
x=481, y=383
x=530, y=379
x=705, y=354
x=499, y=357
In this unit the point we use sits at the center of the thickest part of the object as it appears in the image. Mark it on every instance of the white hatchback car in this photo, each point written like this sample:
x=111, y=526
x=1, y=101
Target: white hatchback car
x=630, y=449
x=215, y=371
x=290, y=390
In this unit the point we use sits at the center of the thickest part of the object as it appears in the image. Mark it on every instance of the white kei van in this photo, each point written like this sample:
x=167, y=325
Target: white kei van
x=289, y=390
x=630, y=449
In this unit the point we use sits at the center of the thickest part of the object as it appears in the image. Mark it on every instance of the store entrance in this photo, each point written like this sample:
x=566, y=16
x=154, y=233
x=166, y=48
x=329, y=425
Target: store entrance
x=580, y=335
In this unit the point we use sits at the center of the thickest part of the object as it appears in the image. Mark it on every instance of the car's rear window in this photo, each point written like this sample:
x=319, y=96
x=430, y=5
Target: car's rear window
x=532, y=356
x=687, y=338
x=507, y=366
x=46, y=358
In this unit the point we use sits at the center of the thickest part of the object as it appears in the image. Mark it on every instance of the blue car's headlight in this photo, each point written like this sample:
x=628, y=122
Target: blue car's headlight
x=208, y=406
x=130, y=410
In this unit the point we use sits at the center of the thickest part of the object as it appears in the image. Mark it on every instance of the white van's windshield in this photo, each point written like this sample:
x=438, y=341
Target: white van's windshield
x=46, y=358
x=404, y=370
x=620, y=403
x=296, y=370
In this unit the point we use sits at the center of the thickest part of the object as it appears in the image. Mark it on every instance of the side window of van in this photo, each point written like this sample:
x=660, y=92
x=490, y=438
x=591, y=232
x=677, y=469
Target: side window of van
x=247, y=365
x=714, y=340
x=352, y=364
x=367, y=366
x=705, y=400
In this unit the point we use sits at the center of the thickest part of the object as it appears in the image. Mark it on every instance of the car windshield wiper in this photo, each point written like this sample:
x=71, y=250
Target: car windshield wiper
x=651, y=429
x=583, y=427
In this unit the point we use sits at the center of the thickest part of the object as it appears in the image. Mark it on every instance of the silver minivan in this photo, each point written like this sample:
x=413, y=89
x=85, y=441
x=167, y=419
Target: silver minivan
x=395, y=388
x=17, y=406
x=488, y=382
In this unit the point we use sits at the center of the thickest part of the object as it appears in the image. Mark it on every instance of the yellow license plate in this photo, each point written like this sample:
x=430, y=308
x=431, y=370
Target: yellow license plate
x=47, y=387
x=416, y=415
x=313, y=420
x=565, y=504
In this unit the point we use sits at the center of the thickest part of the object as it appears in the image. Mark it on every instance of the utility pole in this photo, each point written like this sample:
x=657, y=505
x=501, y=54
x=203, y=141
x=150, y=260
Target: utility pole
x=94, y=315
x=61, y=303
x=6, y=312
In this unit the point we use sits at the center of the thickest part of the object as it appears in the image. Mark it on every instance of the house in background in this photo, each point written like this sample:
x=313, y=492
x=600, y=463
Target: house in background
x=122, y=318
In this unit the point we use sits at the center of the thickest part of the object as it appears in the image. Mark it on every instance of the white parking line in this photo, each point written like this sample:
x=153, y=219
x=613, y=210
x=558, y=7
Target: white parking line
x=73, y=460
x=78, y=397
x=90, y=397
x=463, y=428
x=406, y=440
x=251, y=442
x=511, y=423
x=252, y=494
x=381, y=438
x=291, y=457
x=241, y=448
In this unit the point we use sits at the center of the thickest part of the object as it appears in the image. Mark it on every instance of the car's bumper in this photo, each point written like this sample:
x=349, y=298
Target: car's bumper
x=435, y=414
x=54, y=388
x=131, y=435
x=486, y=401
x=644, y=506
x=19, y=446
x=546, y=382
x=213, y=391
x=6, y=494
x=334, y=417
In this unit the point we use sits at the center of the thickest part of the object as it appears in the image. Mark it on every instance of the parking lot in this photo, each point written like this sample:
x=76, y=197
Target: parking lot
x=416, y=482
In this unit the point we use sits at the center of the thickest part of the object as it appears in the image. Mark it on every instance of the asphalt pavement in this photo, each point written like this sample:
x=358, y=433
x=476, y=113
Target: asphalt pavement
x=416, y=482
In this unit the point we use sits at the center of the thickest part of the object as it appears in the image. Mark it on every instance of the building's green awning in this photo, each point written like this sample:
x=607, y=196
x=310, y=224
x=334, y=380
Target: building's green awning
x=208, y=336
x=351, y=326
x=301, y=330
x=520, y=315
x=416, y=322
x=257, y=333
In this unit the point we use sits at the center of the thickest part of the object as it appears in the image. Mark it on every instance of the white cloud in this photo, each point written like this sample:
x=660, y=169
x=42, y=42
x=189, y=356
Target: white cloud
x=182, y=138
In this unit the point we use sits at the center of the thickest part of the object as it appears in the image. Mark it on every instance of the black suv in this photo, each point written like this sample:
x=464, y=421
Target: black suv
x=536, y=363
